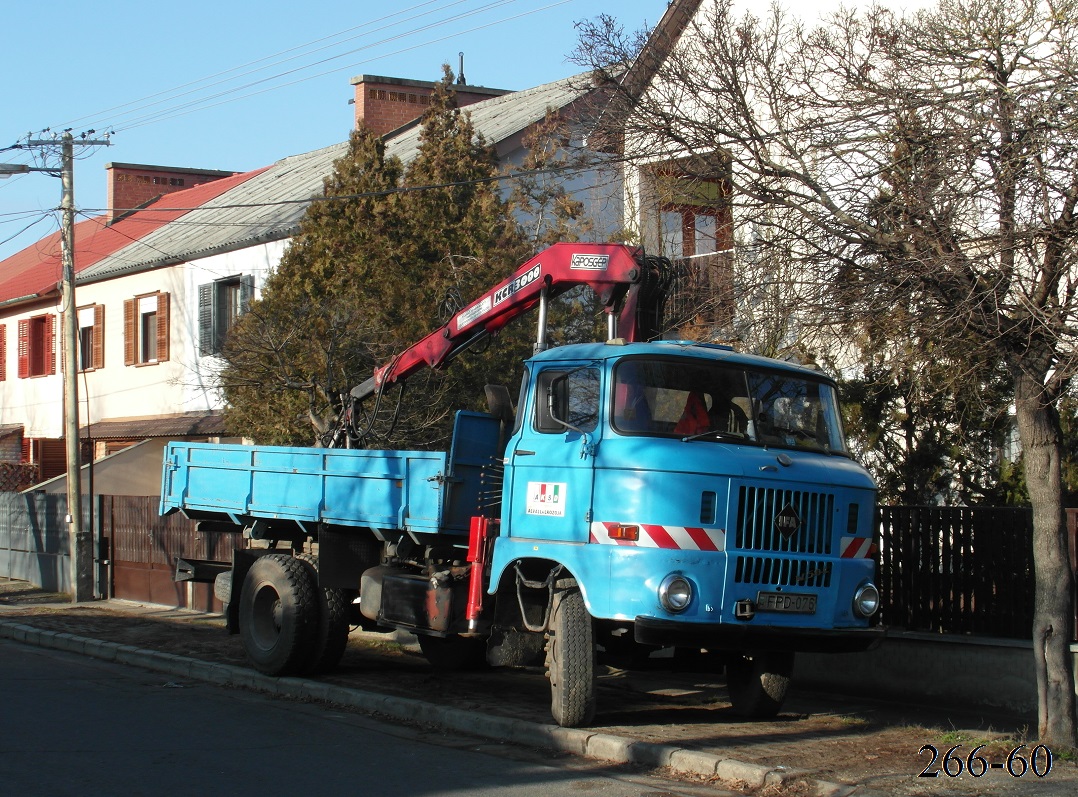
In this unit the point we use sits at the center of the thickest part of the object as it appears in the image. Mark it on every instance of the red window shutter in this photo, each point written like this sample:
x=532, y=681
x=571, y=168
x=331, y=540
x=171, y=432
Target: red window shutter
x=162, y=327
x=97, y=357
x=3, y=352
x=24, y=348
x=130, y=332
x=50, y=344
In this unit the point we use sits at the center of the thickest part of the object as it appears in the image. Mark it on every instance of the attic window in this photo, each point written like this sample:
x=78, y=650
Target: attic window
x=220, y=304
x=37, y=346
x=91, y=322
x=694, y=212
x=146, y=328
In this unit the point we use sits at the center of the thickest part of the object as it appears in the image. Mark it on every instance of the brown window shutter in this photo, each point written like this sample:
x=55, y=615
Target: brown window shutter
x=24, y=348
x=50, y=344
x=130, y=333
x=162, y=327
x=3, y=352
x=97, y=358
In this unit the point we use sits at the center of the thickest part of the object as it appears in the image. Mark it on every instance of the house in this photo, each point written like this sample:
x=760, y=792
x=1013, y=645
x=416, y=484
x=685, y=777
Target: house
x=161, y=278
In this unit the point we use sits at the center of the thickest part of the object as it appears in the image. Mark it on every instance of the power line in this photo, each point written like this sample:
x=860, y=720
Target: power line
x=171, y=94
x=199, y=105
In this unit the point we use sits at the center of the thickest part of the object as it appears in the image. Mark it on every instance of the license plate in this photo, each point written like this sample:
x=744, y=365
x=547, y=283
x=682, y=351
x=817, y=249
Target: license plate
x=786, y=602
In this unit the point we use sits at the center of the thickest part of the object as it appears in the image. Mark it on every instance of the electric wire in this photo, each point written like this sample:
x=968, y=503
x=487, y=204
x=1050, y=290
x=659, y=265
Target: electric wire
x=199, y=105
x=170, y=93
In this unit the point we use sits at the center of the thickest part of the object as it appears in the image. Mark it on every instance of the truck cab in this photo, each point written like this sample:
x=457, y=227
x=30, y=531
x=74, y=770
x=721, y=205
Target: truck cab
x=697, y=497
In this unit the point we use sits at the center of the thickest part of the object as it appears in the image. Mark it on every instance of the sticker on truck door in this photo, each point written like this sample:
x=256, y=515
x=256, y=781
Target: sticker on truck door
x=546, y=498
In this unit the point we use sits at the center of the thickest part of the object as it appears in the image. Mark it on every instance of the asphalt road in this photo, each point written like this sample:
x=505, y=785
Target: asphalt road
x=78, y=726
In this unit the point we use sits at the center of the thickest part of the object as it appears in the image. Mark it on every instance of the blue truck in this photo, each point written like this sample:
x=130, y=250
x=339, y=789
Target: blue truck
x=639, y=495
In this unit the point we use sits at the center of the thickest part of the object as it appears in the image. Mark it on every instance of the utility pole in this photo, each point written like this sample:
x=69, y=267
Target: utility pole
x=82, y=547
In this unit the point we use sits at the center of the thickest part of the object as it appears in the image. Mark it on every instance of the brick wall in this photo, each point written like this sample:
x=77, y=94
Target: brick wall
x=386, y=103
x=132, y=184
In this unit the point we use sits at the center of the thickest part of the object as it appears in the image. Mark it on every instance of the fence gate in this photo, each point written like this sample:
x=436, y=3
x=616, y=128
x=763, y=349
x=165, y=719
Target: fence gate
x=143, y=547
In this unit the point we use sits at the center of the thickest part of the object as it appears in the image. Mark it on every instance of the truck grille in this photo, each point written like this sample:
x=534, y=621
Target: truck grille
x=758, y=509
x=781, y=572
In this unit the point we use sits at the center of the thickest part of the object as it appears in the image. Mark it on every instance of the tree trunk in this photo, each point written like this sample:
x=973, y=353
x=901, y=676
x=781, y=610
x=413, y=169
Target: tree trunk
x=1041, y=435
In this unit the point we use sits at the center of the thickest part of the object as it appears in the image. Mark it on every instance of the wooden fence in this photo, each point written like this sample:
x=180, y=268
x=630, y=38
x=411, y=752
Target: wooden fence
x=143, y=547
x=957, y=570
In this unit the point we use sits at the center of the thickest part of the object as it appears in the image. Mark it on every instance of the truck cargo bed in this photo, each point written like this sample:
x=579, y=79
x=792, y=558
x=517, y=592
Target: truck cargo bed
x=418, y=491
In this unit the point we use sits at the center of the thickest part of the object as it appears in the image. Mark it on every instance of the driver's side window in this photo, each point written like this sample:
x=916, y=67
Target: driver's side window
x=575, y=400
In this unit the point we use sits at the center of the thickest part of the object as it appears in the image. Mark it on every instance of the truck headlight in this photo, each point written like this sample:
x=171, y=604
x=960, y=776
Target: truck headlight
x=866, y=601
x=675, y=593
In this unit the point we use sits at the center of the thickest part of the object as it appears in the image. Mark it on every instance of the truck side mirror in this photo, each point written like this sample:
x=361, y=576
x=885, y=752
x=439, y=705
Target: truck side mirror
x=557, y=395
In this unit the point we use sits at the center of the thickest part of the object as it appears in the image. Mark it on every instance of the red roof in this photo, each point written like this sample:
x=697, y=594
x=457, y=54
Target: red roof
x=36, y=270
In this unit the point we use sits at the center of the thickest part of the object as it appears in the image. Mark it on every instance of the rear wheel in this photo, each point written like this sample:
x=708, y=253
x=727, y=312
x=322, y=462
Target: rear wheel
x=571, y=657
x=331, y=638
x=758, y=682
x=278, y=614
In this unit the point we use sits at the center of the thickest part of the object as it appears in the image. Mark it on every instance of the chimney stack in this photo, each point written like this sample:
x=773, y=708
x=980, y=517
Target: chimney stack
x=385, y=104
x=132, y=185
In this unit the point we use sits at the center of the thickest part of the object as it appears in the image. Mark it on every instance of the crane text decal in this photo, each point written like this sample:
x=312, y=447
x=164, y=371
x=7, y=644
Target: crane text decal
x=589, y=262
x=488, y=303
x=527, y=278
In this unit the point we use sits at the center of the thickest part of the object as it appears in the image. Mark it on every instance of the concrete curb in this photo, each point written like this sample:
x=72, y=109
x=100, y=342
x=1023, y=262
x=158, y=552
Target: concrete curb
x=575, y=741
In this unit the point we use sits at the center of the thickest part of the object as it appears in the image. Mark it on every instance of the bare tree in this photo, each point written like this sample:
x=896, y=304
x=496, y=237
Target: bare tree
x=926, y=172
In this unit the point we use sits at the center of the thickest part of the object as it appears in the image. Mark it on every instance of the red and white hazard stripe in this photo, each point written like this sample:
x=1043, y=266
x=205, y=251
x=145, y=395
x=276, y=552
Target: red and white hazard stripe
x=856, y=548
x=687, y=538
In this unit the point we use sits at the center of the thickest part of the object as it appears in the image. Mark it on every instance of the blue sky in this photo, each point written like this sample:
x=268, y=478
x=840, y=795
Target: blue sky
x=238, y=85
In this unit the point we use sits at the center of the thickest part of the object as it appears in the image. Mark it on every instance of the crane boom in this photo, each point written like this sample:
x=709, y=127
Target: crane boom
x=630, y=285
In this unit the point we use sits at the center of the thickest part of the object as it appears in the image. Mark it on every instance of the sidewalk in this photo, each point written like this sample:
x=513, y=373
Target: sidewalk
x=820, y=744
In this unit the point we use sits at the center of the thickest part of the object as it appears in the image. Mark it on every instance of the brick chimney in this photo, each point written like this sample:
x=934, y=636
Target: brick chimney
x=386, y=103
x=131, y=185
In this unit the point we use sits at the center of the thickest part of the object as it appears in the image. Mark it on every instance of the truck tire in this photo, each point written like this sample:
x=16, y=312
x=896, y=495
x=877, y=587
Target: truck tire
x=331, y=637
x=453, y=653
x=278, y=614
x=570, y=657
x=757, y=683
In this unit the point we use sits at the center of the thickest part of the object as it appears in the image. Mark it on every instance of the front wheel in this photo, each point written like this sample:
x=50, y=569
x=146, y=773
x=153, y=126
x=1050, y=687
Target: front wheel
x=571, y=657
x=758, y=682
x=278, y=614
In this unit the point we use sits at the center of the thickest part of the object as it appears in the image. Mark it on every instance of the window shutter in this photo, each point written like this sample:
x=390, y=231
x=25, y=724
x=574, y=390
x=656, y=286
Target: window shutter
x=3, y=352
x=162, y=327
x=50, y=344
x=24, y=348
x=97, y=358
x=130, y=332
x=247, y=292
x=207, y=343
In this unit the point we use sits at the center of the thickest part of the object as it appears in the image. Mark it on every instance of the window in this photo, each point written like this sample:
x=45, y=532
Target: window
x=220, y=304
x=37, y=346
x=91, y=337
x=694, y=213
x=722, y=403
x=146, y=327
x=575, y=396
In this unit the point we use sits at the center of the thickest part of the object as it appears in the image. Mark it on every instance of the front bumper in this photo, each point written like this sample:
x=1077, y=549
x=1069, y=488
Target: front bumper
x=724, y=636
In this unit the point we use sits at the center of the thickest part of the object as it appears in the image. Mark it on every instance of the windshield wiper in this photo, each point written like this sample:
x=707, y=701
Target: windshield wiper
x=716, y=433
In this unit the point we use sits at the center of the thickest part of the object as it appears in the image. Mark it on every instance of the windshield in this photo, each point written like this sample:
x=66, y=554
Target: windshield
x=712, y=401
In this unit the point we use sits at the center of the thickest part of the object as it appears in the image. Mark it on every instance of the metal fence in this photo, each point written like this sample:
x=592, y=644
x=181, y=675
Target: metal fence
x=34, y=543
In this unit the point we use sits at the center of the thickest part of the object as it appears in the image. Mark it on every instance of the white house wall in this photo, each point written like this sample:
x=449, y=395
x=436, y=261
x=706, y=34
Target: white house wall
x=197, y=381
x=183, y=383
